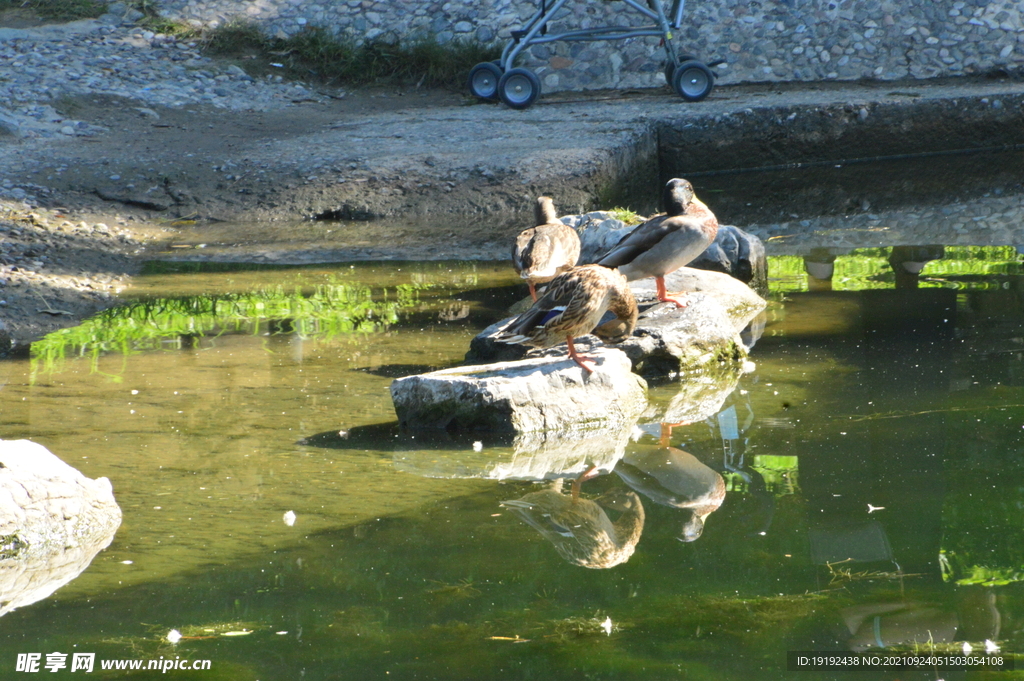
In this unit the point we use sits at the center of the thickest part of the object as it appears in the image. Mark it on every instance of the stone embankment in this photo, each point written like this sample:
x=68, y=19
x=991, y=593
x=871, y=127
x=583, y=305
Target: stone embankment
x=774, y=40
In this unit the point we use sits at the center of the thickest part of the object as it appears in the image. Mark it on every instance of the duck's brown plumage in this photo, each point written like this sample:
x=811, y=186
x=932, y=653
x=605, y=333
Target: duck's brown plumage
x=586, y=299
x=665, y=243
x=543, y=252
x=580, y=529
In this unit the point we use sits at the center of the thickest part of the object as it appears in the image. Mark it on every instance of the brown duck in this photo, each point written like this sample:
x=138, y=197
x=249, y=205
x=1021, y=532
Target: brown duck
x=543, y=252
x=586, y=299
x=580, y=529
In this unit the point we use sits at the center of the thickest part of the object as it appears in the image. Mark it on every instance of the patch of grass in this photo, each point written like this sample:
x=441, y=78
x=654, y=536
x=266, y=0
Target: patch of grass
x=341, y=60
x=154, y=22
x=11, y=546
x=237, y=38
x=58, y=10
x=626, y=215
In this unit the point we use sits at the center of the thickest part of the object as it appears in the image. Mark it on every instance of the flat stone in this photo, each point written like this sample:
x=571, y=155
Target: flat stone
x=537, y=394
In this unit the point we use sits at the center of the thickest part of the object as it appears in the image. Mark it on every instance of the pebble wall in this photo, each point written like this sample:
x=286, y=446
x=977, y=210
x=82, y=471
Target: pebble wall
x=780, y=40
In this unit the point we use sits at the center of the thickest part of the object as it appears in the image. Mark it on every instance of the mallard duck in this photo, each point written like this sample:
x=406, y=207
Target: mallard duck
x=674, y=478
x=543, y=252
x=665, y=243
x=580, y=529
x=586, y=299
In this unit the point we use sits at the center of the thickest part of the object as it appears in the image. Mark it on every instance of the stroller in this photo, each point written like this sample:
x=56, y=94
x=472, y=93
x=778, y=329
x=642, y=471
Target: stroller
x=518, y=88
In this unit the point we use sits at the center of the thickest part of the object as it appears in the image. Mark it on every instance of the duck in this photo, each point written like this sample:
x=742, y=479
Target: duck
x=586, y=299
x=667, y=242
x=543, y=252
x=672, y=477
x=580, y=529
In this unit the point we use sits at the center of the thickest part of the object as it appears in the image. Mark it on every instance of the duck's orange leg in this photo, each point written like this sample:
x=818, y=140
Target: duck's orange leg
x=533, y=290
x=663, y=294
x=666, y=432
x=579, y=359
x=577, y=484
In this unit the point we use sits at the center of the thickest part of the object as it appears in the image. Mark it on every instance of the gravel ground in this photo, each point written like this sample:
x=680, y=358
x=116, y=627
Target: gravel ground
x=55, y=271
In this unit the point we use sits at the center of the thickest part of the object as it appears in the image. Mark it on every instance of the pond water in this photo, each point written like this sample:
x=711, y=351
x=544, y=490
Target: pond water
x=883, y=419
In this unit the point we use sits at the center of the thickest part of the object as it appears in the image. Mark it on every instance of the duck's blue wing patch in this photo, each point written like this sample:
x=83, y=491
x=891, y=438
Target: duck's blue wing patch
x=551, y=314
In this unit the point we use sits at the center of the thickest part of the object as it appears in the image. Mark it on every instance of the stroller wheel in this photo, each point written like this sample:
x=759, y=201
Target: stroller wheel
x=670, y=67
x=693, y=81
x=483, y=80
x=518, y=88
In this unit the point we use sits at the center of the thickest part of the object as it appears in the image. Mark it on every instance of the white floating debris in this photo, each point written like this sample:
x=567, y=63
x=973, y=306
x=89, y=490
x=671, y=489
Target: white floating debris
x=478, y=446
x=967, y=648
x=607, y=625
x=280, y=633
x=135, y=392
x=289, y=518
x=126, y=562
x=174, y=636
x=872, y=509
x=243, y=632
x=991, y=647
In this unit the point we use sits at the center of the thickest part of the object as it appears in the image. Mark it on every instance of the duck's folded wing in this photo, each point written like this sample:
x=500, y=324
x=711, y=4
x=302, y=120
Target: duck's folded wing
x=640, y=240
x=551, y=305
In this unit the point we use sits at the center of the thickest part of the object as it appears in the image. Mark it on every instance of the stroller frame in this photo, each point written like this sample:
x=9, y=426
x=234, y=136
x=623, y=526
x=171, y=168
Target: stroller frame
x=519, y=87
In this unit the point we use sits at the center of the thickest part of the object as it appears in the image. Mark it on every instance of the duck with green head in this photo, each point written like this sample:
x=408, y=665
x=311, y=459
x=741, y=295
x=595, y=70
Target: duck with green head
x=665, y=243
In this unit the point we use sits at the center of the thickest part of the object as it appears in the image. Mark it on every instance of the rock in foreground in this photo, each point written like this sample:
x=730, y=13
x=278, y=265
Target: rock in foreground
x=543, y=393
x=53, y=521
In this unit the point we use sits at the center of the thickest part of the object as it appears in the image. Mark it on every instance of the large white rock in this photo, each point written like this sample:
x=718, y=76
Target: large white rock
x=549, y=393
x=53, y=521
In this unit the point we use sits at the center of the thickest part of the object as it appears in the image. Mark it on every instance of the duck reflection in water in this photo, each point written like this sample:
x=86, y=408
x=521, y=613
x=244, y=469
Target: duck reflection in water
x=972, y=616
x=671, y=477
x=580, y=529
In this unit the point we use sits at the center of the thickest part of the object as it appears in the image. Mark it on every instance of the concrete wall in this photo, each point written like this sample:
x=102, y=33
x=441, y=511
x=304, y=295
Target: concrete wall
x=779, y=40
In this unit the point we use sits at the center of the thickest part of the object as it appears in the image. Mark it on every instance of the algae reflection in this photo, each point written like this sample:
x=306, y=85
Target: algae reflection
x=328, y=311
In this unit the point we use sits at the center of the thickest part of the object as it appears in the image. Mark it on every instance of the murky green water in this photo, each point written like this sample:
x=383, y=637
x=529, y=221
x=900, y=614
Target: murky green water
x=884, y=419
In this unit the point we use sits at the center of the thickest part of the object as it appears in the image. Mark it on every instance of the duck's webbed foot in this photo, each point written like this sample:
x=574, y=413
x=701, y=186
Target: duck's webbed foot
x=580, y=359
x=664, y=297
